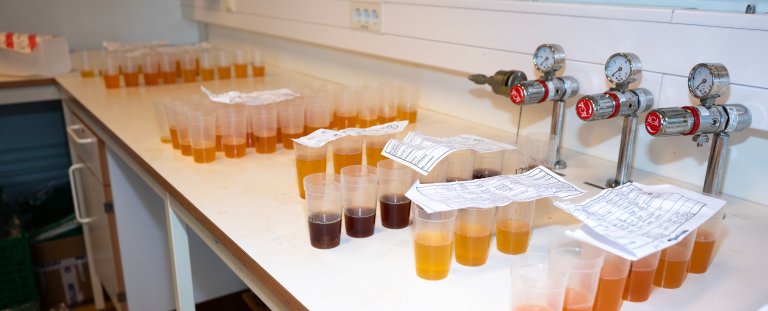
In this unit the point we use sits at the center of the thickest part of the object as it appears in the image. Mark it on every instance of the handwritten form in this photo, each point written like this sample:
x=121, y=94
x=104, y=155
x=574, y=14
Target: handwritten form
x=321, y=137
x=492, y=191
x=636, y=220
x=421, y=152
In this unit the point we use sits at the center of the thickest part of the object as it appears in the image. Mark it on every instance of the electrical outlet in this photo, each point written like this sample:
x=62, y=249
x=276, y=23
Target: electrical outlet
x=365, y=15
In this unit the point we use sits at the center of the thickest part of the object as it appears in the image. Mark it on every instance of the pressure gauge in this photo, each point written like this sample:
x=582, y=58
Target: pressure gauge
x=623, y=68
x=549, y=58
x=708, y=80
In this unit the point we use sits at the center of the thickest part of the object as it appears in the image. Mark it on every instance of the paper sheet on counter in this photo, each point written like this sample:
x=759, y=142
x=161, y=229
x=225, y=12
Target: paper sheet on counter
x=636, y=220
x=253, y=98
x=490, y=192
x=422, y=153
x=321, y=137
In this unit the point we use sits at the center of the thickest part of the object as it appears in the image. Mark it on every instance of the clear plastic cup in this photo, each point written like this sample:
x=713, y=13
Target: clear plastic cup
x=347, y=150
x=472, y=235
x=613, y=278
x=540, y=147
x=188, y=64
x=515, y=162
x=487, y=164
x=111, y=71
x=433, y=242
x=233, y=120
x=367, y=106
x=150, y=67
x=168, y=67
x=514, y=227
x=309, y=160
x=538, y=282
x=264, y=127
x=170, y=113
x=673, y=263
x=394, y=180
x=374, y=145
x=359, y=185
x=202, y=134
x=130, y=66
x=345, y=113
x=704, y=247
x=640, y=280
x=323, y=209
x=584, y=262
x=460, y=165
x=318, y=111
x=86, y=64
x=257, y=63
x=408, y=102
x=161, y=116
x=182, y=128
x=223, y=64
x=387, y=103
x=207, y=65
x=436, y=175
x=291, y=121
x=240, y=63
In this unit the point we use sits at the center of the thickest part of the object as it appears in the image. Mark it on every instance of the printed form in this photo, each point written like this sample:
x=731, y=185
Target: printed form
x=636, y=220
x=421, y=152
x=321, y=137
x=490, y=192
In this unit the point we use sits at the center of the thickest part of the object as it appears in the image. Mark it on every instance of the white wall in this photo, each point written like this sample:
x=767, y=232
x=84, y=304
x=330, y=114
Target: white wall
x=86, y=23
x=436, y=43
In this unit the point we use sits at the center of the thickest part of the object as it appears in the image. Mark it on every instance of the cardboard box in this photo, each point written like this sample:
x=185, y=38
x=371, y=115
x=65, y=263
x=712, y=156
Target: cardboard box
x=62, y=272
x=51, y=57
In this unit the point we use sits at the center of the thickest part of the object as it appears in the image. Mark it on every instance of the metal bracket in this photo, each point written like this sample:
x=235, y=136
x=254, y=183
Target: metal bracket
x=109, y=208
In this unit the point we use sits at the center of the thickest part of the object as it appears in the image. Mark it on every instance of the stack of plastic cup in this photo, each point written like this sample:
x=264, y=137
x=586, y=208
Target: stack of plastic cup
x=433, y=242
x=359, y=185
x=323, y=210
x=584, y=262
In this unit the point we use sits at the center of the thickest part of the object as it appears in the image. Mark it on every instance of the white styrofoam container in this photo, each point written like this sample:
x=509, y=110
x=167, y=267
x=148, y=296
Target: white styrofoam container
x=51, y=57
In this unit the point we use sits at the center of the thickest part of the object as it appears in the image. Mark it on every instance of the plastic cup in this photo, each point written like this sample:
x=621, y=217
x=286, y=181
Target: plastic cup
x=182, y=128
x=408, y=102
x=170, y=113
x=433, y=242
x=515, y=162
x=150, y=67
x=394, y=180
x=513, y=227
x=487, y=164
x=130, y=66
x=436, y=175
x=347, y=151
x=233, y=122
x=323, y=210
x=460, y=165
x=359, y=184
x=367, y=106
x=387, y=103
x=257, y=63
x=318, y=111
x=223, y=64
x=538, y=282
x=188, y=62
x=291, y=121
x=85, y=64
x=613, y=278
x=473, y=235
x=704, y=246
x=640, y=280
x=264, y=127
x=374, y=145
x=111, y=71
x=309, y=160
x=202, y=135
x=540, y=148
x=161, y=116
x=207, y=65
x=345, y=113
x=168, y=67
x=673, y=263
x=584, y=262
x=240, y=64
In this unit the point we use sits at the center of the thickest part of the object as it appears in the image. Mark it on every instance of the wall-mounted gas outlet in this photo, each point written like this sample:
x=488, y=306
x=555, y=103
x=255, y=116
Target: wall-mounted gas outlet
x=365, y=15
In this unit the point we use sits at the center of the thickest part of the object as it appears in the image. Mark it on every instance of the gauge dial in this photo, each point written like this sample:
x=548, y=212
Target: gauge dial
x=708, y=80
x=623, y=68
x=549, y=57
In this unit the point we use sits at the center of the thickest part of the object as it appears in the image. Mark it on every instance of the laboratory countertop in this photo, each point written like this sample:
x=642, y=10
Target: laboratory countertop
x=252, y=207
x=15, y=81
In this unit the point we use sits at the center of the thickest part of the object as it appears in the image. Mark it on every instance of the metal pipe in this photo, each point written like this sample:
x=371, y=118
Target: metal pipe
x=626, y=152
x=556, y=130
x=713, y=179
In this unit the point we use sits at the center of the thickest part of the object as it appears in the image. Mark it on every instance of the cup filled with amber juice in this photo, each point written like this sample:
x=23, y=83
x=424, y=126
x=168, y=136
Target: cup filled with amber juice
x=433, y=242
x=309, y=160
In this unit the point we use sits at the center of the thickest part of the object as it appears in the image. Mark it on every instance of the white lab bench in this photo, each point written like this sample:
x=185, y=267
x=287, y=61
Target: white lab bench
x=249, y=213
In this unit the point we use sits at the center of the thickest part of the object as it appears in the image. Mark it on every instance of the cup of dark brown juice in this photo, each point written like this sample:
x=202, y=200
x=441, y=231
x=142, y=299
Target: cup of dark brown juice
x=358, y=191
x=394, y=206
x=323, y=209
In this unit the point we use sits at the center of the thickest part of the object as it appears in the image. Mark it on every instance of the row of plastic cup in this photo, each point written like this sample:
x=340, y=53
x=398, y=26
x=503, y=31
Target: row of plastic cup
x=154, y=67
